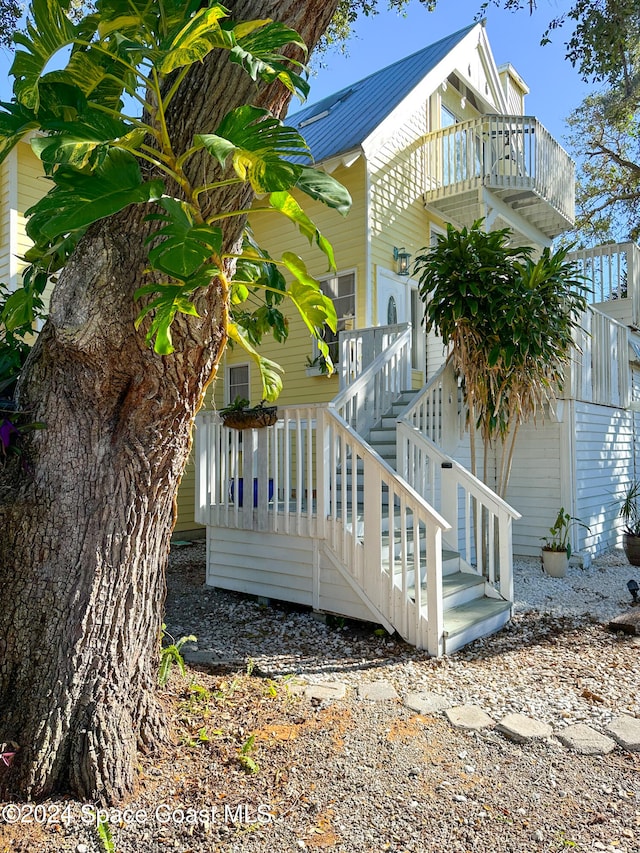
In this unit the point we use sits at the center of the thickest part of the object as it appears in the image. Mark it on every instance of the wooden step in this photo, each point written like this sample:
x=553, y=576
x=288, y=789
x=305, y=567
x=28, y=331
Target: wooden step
x=477, y=618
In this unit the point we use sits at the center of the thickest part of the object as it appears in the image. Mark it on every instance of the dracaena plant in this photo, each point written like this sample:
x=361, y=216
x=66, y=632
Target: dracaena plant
x=102, y=156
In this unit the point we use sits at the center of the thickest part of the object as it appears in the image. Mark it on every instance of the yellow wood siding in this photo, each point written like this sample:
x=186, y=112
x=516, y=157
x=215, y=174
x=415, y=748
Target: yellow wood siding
x=277, y=235
x=5, y=205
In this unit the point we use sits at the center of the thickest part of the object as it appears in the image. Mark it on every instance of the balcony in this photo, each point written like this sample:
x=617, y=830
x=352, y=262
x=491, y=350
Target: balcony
x=510, y=164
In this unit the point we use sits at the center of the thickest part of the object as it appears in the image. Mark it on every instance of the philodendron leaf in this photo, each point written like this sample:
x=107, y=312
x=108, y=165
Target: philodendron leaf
x=259, y=144
x=47, y=31
x=171, y=301
x=270, y=371
x=15, y=122
x=315, y=308
x=322, y=187
x=184, y=245
x=79, y=199
x=287, y=205
x=200, y=35
x=259, y=54
x=79, y=143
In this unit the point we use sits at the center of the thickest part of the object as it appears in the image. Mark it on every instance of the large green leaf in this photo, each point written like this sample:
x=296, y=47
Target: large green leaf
x=47, y=31
x=258, y=52
x=258, y=142
x=171, y=301
x=79, y=199
x=184, y=245
x=15, y=122
x=315, y=308
x=200, y=35
x=270, y=371
x=79, y=143
x=287, y=205
x=322, y=187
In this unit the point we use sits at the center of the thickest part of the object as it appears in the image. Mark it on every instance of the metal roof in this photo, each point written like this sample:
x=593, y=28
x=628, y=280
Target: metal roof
x=342, y=121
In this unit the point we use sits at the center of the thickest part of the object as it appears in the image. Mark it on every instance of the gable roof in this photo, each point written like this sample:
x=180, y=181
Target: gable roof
x=342, y=121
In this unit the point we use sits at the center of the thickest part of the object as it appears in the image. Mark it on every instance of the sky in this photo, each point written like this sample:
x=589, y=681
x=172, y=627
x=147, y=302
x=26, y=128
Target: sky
x=556, y=89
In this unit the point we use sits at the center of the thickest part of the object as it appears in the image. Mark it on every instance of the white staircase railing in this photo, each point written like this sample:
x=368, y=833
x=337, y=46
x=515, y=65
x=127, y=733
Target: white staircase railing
x=311, y=474
x=437, y=411
x=481, y=521
x=360, y=347
x=368, y=396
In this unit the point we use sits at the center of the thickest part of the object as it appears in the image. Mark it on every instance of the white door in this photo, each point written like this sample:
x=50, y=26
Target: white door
x=392, y=300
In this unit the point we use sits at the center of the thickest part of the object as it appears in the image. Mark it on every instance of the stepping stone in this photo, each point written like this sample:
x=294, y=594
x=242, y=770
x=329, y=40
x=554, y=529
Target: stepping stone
x=426, y=703
x=628, y=622
x=469, y=717
x=320, y=690
x=521, y=728
x=584, y=739
x=377, y=691
x=626, y=730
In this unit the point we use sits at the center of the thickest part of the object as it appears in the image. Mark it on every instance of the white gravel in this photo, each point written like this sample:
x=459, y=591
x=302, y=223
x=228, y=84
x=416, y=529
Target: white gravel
x=599, y=592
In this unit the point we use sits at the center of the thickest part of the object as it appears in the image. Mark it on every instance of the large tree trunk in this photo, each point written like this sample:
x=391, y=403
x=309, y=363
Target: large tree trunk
x=85, y=532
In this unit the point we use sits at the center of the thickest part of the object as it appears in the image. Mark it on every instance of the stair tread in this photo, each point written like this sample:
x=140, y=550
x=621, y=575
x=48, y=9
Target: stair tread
x=458, y=619
x=458, y=581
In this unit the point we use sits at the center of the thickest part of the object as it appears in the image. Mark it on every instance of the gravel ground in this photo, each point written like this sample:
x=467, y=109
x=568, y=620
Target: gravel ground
x=356, y=775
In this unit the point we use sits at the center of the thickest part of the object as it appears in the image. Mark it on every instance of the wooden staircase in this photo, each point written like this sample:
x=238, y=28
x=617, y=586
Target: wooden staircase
x=471, y=609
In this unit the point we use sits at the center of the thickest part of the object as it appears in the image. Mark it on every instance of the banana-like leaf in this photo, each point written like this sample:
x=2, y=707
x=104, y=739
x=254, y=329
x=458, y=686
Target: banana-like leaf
x=198, y=37
x=47, y=31
x=259, y=142
x=184, y=246
x=258, y=52
x=79, y=199
x=315, y=308
x=322, y=187
x=287, y=205
x=270, y=371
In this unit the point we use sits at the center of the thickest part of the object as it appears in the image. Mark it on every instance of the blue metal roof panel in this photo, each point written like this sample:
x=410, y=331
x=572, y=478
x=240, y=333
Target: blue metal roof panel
x=342, y=121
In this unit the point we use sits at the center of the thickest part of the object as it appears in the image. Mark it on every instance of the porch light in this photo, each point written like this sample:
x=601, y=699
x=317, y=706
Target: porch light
x=403, y=259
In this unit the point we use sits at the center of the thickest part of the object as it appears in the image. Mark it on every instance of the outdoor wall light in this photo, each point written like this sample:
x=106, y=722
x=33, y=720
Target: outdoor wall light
x=403, y=259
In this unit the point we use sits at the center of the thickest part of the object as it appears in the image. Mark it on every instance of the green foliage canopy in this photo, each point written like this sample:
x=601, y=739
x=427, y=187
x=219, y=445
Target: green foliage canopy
x=100, y=160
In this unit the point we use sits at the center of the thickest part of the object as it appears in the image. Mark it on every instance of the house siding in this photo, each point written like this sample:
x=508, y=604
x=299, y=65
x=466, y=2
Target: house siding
x=535, y=486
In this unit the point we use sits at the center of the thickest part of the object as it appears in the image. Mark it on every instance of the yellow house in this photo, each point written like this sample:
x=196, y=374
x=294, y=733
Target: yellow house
x=359, y=501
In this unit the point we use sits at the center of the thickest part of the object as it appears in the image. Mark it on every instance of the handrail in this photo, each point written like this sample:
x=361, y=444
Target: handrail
x=501, y=151
x=598, y=371
x=612, y=274
x=392, y=503
x=482, y=520
x=437, y=411
x=367, y=398
x=359, y=347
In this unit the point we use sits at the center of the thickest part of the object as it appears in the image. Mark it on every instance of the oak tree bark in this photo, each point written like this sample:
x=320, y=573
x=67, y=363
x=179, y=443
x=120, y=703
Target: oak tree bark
x=85, y=531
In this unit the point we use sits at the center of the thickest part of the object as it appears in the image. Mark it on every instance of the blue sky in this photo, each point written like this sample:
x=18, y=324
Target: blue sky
x=515, y=37
x=555, y=88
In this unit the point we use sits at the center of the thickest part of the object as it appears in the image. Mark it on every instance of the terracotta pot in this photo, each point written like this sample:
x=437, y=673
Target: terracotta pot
x=631, y=545
x=555, y=563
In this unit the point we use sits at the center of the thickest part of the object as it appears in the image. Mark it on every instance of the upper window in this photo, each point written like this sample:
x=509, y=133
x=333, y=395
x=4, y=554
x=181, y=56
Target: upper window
x=238, y=382
x=341, y=289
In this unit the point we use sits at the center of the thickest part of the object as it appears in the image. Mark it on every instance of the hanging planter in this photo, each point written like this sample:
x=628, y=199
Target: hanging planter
x=239, y=415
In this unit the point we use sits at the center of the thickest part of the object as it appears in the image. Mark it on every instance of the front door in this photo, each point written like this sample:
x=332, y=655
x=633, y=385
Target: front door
x=399, y=302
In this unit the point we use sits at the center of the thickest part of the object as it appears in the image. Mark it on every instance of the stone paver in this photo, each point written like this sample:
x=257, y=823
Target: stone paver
x=521, y=728
x=426, y=703
x=469, y=717
x=582, y=738
x=319, y=690
x=377, y=691
x=626, y=730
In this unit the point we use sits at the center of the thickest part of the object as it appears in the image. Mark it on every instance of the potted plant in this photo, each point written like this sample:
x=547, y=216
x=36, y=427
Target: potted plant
x=317, y=366
x=240, y=415
x=556, y=550
x=630, y=515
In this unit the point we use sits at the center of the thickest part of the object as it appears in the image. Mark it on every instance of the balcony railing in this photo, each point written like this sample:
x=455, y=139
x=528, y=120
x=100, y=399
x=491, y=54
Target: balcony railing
x=504, y=154
x=612, y=276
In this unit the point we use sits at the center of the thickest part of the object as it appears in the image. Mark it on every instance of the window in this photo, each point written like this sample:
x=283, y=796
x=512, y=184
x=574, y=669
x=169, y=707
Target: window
x=238, y=384
x=341, y=289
